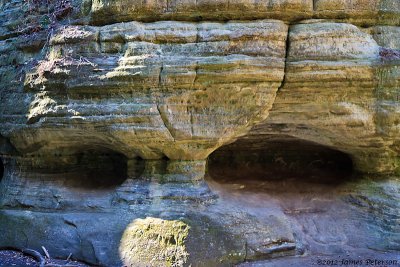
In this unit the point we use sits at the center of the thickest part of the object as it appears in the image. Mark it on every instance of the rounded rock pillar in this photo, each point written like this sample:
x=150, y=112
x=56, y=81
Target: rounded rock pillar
x=177, y=181
x=133, y=168
x=186, y=170
x=154, y=170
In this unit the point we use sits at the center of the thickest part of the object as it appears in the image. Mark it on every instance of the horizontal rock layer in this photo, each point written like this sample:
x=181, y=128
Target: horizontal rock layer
x=360, y=12
x=150, y=90
x=341, y=91
x=153, y=90
x=182, y=89
x=85, y=99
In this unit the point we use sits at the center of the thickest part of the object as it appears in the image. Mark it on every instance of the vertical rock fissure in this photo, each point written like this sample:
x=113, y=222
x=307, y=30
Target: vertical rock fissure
x=159, y=76
x=164, y=121
x=287, y=47
x=314, y=7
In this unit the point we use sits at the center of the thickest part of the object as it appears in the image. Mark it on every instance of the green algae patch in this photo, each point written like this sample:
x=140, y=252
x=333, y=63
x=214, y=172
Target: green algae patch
x=154, y=242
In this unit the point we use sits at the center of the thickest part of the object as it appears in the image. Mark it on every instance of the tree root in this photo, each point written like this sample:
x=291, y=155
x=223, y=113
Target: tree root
x=38, y=257
x=29, y=252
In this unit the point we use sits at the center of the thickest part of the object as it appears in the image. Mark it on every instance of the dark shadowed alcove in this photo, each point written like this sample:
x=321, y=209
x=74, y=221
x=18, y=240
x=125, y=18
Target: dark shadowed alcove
x=279, y=158
x=97, y=168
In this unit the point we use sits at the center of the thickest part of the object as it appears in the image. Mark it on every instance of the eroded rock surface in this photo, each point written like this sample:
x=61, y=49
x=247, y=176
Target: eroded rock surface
x=367, y=12
x=359, y=113
x=110, y=111
x=160, y=89
x=155, y=241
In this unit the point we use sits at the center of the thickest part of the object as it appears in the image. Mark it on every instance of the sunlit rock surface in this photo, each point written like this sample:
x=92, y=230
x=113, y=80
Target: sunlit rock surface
x=385, y=12
x=170, y=89
x=341, y=90
x=155, y=241
x=237, y=124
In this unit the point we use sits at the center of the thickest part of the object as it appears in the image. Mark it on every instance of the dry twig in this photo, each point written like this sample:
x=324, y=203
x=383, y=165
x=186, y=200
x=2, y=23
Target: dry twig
x=46, y=252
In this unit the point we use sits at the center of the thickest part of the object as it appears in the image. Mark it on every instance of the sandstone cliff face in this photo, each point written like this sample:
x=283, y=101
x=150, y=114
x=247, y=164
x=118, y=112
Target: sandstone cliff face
x=367, y=12
x=110, y=110
x=183, y=89
x=170, y=89
x=359, y=113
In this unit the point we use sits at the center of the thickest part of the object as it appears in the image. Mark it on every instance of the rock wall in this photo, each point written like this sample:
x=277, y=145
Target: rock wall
x=383, y=12
x=110, y=109
x=341, y=90
x=183, y=89
x=170, y=89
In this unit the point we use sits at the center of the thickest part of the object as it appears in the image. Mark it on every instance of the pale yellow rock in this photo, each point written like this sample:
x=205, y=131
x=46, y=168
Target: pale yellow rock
x=362, y=12
x=154, y=242
x=106, y=11
x=181, y=89
x=172, y=89
x=334, y=94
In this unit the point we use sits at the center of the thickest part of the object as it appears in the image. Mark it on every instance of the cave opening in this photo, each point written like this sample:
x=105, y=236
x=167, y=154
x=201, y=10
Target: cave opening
x=277, y=159
x=97, y=168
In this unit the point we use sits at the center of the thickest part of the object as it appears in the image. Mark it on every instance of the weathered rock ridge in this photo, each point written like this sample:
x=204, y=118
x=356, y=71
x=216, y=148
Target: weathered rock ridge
x=130, y=124
x=183, y=89
x=367, y=12
x=170, y=89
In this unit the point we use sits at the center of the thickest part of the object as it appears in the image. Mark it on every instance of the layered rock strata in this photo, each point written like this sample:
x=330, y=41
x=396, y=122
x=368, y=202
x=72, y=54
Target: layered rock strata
x=359, y=113
x=110, y=110
x=366, y=12
x=170, y=89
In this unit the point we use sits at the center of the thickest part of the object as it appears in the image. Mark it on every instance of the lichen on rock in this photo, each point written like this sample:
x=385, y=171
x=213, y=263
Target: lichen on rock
x=155, y=242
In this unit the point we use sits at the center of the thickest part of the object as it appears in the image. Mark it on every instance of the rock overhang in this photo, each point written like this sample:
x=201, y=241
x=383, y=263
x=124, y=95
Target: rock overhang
x=182, y=89
x=171, y=92
x=195, y=84
x=364, y=12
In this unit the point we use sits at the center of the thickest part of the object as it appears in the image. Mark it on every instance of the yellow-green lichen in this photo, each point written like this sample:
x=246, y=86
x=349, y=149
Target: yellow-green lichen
x=154, y=242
